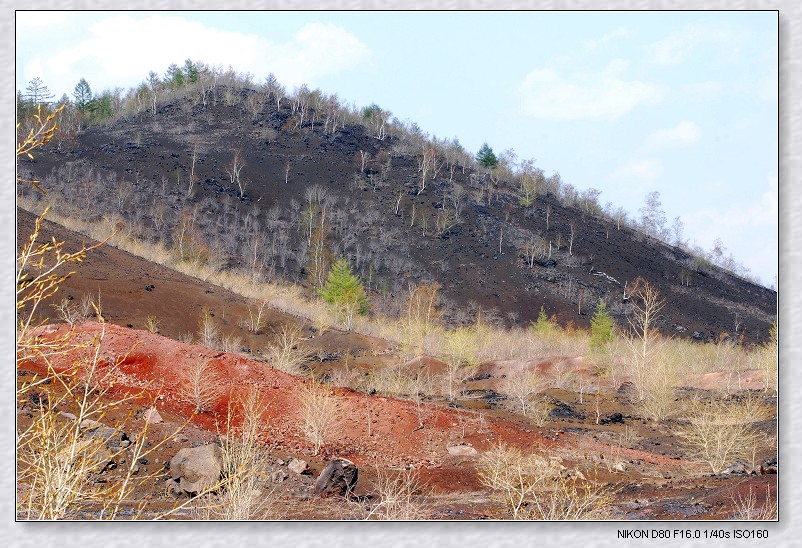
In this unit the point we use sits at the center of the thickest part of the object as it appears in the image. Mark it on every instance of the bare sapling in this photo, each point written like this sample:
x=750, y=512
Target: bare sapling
x=289, y=351
x=318, y=412
x=720, y=432
x=201, y=386
x=401, y=496
x=248, y=491
x=643, y=340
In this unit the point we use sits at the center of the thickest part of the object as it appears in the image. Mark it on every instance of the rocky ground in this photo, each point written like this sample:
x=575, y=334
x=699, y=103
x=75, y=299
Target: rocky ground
x=441, y=441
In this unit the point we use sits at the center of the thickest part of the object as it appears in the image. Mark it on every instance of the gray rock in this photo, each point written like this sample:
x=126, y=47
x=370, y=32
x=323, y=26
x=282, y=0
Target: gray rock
x=298, y=466
x=197, y=469
x=463, y=450
x=338, y=478
x=279, y=476
x=152, y=416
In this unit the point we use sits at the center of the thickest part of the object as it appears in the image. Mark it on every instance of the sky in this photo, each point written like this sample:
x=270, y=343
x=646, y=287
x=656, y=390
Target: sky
x=683, y=103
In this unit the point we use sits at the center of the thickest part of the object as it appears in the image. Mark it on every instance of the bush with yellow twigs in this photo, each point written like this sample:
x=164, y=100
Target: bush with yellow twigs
x=401, y=496
x=719, y=432
x=534, y=487
x=317, y=408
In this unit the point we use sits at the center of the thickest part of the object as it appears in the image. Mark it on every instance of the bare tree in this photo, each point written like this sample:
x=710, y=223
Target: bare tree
x=192, y=176
x=573, y=227
x=201, y=386
x=426, y=167
x=646, y=304
x=548, y=215
x=234, y=172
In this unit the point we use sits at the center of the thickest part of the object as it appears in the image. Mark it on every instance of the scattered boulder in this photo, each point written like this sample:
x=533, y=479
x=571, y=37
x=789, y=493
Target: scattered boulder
x=152, y=416
x=564, y=411
x=627, y=393
x=615, y=418
x=462, y=450
x=197, y=468
x=338, y=478
x=298, y=466
x=738, y=468
x=769, y=466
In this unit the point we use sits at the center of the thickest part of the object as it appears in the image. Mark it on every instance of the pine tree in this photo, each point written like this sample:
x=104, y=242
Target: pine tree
x=38, y=93
x=82, y=95
x=543, y=324
x=486, y=156
x=601, y=328
x=345, y=293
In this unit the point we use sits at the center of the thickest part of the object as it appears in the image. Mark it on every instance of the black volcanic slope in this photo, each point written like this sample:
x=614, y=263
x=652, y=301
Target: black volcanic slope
x=464, y=229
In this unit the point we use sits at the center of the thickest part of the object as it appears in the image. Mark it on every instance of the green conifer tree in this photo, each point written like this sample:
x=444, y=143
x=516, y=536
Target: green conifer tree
x=345, y=293
x=543, y=325
x=602, y=332
x=486, y=157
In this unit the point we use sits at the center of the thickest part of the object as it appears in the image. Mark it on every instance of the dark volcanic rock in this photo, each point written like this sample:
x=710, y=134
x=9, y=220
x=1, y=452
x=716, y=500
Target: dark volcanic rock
x=338, y=478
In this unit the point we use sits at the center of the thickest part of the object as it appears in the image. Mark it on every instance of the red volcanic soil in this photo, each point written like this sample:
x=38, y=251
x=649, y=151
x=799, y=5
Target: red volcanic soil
x=643, y=459
x=368, y=429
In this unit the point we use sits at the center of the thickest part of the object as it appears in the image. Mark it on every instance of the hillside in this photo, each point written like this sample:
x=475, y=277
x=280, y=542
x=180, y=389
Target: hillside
x=232, y=177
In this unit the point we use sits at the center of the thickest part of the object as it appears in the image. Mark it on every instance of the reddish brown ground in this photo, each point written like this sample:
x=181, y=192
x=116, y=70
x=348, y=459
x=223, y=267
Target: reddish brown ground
x=377, y=433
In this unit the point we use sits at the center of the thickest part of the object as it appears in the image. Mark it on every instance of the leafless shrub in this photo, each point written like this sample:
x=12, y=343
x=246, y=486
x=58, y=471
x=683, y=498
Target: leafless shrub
x=460, y=347
x=289, y=351
x=533, y=487
x=231, y=344
x=67, y=311
x=401, y=496
x=200, y=385
x=208, y=333
x=747, y=507
x=720, y=431
x=523, y=387
x=247, y=491
x=317, y=409
x=255, y=321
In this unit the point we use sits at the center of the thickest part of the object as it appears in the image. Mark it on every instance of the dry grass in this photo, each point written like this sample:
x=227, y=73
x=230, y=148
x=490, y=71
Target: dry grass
x=721, y=431
x=201, y=386
x=152, y=323
x=401, y=496
x=289, y=350
x=534, y=487
x=317, y=410
x=247, y=491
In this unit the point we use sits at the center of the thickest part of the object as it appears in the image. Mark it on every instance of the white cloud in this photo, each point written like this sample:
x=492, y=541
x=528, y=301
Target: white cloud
x=678, y=46
x=27, y=21
x=683, y=134
x=744, y=228
x=121, y=50
x=547, y=94
x=701, y=91
x=596, y=44
x=638, y=171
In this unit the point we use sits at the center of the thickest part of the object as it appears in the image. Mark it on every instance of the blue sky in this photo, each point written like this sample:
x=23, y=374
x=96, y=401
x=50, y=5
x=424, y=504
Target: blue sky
x=684, y=103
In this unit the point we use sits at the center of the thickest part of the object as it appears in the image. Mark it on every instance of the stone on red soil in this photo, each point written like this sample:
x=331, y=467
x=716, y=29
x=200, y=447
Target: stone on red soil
x=462, y=450
x=338, y=478
x=152, y=416
x=298, y=466
x=197, y=468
